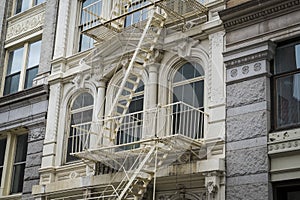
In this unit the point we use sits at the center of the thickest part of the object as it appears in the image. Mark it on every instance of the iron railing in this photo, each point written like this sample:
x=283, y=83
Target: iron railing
x=174, y=119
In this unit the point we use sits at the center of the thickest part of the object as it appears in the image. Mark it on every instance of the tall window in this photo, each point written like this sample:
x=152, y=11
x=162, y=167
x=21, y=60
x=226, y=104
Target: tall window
x=21, y=70
x=81, y=115
x=90, y=14
x=12, y=168
x=19, y=164
x=188, y=87
x=137, y=16
x=22, y=5
x=2, y=154
x=131, y=127
x=287, y=86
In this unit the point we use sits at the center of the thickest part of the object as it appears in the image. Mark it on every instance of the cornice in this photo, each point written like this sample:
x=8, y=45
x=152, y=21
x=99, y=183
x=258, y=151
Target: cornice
x=255, y=11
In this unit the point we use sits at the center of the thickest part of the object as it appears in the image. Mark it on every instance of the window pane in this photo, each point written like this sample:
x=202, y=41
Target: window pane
x=30, y=75
x=287, y=58
x=85, y=42
x=18, y=178
x=82, y=117
x=39, y=2
x=288, y=100
x=2, y=154
x=22, y=5
x=11, y=84
x=83, y=100
x=188, y=71
x=15, y=61
x=21, y=150
x=34, y=54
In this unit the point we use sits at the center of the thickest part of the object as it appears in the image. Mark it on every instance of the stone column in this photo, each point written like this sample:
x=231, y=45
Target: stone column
x=49, y=151
x=247, y=122
x=47, y=42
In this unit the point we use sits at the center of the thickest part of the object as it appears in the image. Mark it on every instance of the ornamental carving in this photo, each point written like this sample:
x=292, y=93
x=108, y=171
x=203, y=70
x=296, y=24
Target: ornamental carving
x=233, y=73
x=257, y=67
x=25, y=25
x=245, y=70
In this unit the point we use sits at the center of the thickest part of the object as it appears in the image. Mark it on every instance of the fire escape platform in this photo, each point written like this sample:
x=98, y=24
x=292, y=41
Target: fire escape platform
x=180, y=143
x=179, y=12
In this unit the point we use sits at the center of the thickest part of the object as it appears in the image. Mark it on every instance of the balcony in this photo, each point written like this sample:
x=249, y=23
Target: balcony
x=177, y=123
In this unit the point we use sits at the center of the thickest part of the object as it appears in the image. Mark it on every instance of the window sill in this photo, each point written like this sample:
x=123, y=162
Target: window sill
x=12, y=197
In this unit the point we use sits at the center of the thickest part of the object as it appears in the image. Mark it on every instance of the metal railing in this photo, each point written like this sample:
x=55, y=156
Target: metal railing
x=174, y=119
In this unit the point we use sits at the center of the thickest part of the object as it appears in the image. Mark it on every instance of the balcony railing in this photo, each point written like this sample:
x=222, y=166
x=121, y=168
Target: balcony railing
x=173, y=119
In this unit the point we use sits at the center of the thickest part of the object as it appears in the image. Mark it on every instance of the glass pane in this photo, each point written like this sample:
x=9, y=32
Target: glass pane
x=288, y=100
x=30, y=75
x=22, y=5
x=39, y=2
x=85, y=42
x=188, y=71
x=287, y=58
x=11, y=84
x=2, y=152
x=15, y=61
x=83, y=100
x=1, y=169
x=199, y=94
x=21, y=150
x=18, y=178
x=34, y=54
x=82, y=117
x=136, y=104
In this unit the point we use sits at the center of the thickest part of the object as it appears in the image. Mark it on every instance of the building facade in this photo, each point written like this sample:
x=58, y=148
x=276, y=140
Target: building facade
x=104, y=109
x=262, y=87
x=25, y=55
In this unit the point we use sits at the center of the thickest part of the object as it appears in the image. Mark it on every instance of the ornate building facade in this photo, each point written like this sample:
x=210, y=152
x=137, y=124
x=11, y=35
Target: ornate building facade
x=177, y=102
x=25, y=54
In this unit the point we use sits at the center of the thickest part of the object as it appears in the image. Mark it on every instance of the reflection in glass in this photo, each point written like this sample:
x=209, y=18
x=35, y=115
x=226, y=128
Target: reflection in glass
x=22, y=5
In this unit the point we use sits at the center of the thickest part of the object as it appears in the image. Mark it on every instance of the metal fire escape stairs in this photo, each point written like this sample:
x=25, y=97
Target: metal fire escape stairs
x=153, y=153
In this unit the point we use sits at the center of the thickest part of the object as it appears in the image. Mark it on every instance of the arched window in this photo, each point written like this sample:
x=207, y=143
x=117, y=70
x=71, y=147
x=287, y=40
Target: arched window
x=188, y=97
x=80, y=116
x=131, y=127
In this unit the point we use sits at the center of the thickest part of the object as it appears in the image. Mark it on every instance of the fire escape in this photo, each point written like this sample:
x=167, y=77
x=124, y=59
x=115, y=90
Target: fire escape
x=138, y=160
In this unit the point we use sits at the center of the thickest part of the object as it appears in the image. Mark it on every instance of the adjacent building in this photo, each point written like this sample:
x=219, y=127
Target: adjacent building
x=25, y=58
x=262, y=108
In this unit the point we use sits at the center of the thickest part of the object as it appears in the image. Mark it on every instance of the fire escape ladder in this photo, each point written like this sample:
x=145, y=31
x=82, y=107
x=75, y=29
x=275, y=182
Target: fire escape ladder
x=133, y=73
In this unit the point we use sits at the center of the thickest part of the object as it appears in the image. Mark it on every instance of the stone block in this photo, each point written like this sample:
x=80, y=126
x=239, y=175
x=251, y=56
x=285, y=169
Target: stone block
x=247, y=161
x=257, y=191
x=35, y=147
x=247, y=92
x=34, y=160
x=246, y=126
x=31, y=173
x=27, y=187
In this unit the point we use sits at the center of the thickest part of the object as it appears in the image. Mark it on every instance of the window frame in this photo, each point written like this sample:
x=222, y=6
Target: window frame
x=80, y=26
x=24, y=67
x=32, y=3
x=69, y=125
x=9, y=161
x=276, y=76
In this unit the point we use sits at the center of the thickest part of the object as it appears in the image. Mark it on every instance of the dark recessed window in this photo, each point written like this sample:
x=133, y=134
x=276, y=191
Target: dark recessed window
x=287, y=86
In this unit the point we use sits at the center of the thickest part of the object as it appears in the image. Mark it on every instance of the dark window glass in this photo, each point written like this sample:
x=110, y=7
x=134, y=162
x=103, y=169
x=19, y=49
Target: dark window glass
x=2, y=154
x=22, y=5
x=36, y=2
x=137, y=16
x=11, y=84
x=188, y=71
x=19, y=164
x=287, y=86
x=30, y=75
x=287, y=191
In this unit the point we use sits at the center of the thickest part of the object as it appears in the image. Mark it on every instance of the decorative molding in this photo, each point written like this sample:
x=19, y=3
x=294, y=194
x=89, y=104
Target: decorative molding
x=264, y=55
x=37, y=133
x=246, y=71
x=284, y=141
x=233, y=19
x=27, y=25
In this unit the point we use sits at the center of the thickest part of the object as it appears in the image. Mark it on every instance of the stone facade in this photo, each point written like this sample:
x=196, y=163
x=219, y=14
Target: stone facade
x=253, y=30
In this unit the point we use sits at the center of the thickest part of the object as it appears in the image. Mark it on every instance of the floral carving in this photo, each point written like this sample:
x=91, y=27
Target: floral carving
x=257, y=67
x=24, y=26
x=245, y=70
x=233, y=73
